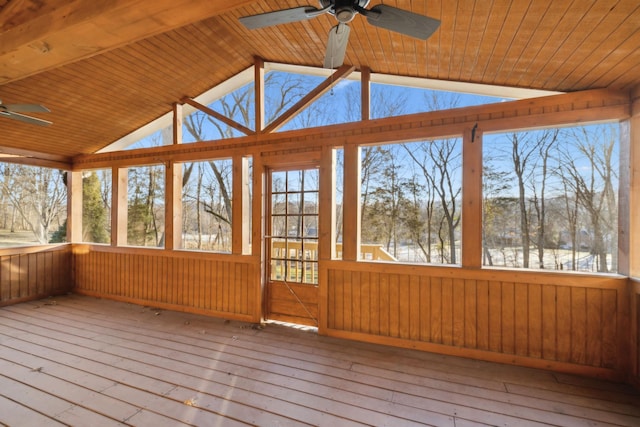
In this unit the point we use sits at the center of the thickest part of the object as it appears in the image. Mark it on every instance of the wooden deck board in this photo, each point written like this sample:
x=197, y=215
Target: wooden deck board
x=107, y=363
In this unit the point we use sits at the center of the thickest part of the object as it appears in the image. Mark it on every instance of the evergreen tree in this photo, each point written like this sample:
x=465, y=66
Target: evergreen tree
x=94, y=213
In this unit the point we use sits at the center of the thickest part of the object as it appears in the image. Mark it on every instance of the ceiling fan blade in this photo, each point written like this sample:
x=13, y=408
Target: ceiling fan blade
x=26, y=119
x=27, y=108
x=336, y=46
x=402, y=21
x=281, y=17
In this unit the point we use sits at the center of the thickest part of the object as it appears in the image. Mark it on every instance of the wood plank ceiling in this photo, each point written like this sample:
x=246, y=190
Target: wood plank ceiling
x=107, y=67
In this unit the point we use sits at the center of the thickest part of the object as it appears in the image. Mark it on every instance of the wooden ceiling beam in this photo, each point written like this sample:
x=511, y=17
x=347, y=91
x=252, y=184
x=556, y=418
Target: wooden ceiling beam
x=62, y=32
x=224, y=119
x=27, y=157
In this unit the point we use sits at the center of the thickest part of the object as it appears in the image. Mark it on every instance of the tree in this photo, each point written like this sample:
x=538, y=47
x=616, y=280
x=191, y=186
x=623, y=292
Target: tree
x=591, y=180
x=374, y=161
x=548, y=139
x=440, y=163
x=145, y=216
x=386, y=207
x=493, y=184
x=418, y=216
x=94, y=212
x=38, y=195
x=526, y=148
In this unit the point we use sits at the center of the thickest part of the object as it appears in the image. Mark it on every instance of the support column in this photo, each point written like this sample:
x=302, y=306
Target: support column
x=327, y=208
x=177, y=123
x=119, y=206
x=173, y=206
x=74, y=206
x=241, y=220
x=629, y=235
x=472, y=198
x=259, y=94
x=629, y=199
x=173, y=189
x=365, y=93
x=257, y=219
x=351, y=204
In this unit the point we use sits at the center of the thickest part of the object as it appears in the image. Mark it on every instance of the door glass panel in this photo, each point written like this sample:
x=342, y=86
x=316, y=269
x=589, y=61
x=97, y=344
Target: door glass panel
x=294, y=226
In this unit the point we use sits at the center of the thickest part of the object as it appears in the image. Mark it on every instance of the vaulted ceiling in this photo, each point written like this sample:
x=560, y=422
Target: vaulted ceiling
x=107, y=67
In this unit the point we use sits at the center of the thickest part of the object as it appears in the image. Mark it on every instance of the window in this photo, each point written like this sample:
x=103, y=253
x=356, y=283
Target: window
x=339, y=201
x=551, y=199
x=145, y=213
x=411, y=202
x=33, y=206
x=96, y=206
x=391, y=100
x=207, y=205
x=294, y=226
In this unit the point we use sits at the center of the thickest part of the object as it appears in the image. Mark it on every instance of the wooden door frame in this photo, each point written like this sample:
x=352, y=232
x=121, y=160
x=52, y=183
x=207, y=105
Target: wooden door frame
x=303, y=295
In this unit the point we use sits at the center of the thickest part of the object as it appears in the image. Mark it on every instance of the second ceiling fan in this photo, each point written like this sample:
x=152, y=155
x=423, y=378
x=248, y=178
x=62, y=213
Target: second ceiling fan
x=383, y=16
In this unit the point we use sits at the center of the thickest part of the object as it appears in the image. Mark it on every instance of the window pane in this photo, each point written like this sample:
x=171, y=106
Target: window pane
x=551, y=199
x=278, y=182
x=33, y=205
x=96, y=206
x=294, y=227
x=294, y=180
x=339, y=171
x=311, y=180
x=410, y=202
x=207, y=205
x=146, y=195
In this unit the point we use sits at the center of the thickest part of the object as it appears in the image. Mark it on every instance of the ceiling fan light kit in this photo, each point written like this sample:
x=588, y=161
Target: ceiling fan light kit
x=382, y=16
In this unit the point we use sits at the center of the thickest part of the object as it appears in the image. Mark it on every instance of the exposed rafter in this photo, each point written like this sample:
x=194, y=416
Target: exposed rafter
x=224, y=119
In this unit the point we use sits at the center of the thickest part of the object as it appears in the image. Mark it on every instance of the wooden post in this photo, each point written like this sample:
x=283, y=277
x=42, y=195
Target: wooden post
x=629, y=254
x=177, y=123
x=472, y=198
x=241, y=218
x=327, y=230
x=365, y=93
x=74, y=206
x=628, y=233
x=173, y=189
x=119, y=205
x=257, y=219
x=173, y=206
x=351, y=204
x=259, y=94
x=327, y=207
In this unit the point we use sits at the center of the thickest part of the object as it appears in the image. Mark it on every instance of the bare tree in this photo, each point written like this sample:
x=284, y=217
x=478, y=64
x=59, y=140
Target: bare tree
x=38, y=195
x=592, y=184
x=546, y=142
x=525, y=147
x=493, y=209
x=440, y=162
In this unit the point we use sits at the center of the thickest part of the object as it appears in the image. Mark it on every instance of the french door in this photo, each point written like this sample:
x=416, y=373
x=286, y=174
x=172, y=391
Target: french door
x=291, y=241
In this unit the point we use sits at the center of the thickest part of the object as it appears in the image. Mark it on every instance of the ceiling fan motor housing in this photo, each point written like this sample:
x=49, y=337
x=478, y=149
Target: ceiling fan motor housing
x=344, y=10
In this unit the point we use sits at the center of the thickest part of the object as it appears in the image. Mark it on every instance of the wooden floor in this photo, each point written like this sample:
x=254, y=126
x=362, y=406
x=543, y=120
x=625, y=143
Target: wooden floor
x=87, y=362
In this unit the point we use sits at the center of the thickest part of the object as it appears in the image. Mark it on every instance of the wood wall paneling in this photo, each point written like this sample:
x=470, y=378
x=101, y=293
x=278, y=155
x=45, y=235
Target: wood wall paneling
x=34, y=272
x=558, y=324
x=201, y=283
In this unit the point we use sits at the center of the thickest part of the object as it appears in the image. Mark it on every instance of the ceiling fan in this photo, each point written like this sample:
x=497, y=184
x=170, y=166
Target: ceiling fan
x=382, y=15
x=13, y=111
